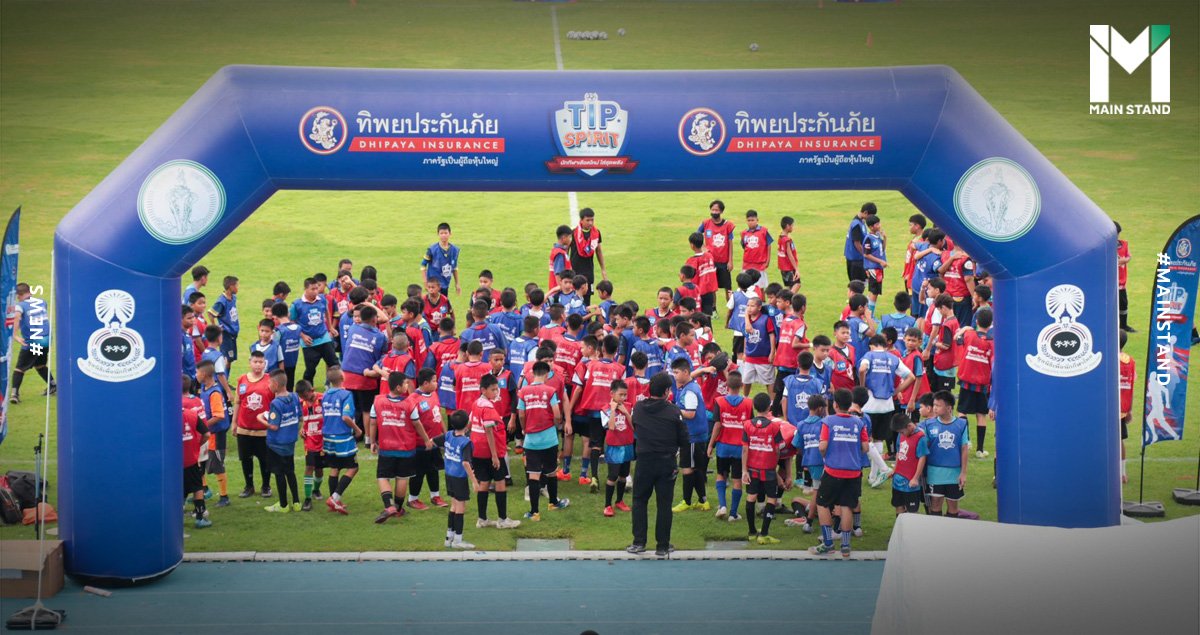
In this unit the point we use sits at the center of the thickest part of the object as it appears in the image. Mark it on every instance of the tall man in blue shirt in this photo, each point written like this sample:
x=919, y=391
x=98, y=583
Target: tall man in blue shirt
x=441, y=261
x=853, y=249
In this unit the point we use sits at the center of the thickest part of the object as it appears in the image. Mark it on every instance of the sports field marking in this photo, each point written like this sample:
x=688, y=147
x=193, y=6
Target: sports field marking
x=507, y=556
x=572, y=199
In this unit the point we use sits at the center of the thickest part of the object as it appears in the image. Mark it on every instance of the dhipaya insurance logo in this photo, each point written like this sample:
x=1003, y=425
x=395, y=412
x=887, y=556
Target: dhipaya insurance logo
x=1154, y=43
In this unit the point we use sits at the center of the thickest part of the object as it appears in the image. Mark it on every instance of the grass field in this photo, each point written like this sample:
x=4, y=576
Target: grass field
x=83, y=84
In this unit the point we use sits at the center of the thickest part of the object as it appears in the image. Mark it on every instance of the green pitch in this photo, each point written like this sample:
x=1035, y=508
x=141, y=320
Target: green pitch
x=83, y=84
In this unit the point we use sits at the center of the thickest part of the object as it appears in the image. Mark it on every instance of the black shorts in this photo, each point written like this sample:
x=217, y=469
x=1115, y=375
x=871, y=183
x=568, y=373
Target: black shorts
x=427, y=461
x=1124, y=428
x=584, y=426
x=193, y=479
x=763, y=483
x=341, y=462
x=972, y=402
x=314, y=460
x=730, y=467
x=26, y=359
x=724, y=280
x=790, y=278
x=364, y=400
x=855, y=271
x=390, y=467
x=484, y=472
x=216, y=462
x=708, y=303
x=836, y=491
x=459, y=488
x=910, y=501
x=739, y=345
x=949, y=492
x=874, y=287
x=541, y=461
x=881, y=425
x=695, y=457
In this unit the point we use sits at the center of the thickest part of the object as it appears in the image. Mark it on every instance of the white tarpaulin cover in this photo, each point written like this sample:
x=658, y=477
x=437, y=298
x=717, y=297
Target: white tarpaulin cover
x=947, y=575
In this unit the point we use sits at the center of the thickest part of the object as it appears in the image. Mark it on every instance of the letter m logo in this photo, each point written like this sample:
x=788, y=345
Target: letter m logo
x=1153, y=42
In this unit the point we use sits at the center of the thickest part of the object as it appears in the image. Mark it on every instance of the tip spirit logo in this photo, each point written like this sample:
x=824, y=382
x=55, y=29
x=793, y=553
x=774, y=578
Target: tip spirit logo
x=590, y=133
x=1153, y=42
x=116, y=353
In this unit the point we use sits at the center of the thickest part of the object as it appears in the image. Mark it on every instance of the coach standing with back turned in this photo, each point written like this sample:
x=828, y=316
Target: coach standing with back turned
x=660, y=433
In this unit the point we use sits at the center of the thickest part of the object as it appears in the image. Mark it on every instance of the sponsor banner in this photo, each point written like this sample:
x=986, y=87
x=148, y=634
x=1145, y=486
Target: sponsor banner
x=1171, y=322
x=8, y=296
x=324, y=131
x=804, y=144
x=423, y=144
x=590, y=134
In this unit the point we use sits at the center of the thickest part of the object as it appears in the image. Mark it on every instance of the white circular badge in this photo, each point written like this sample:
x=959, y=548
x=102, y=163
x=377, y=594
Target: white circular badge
x=180, y=201
x=997, y=199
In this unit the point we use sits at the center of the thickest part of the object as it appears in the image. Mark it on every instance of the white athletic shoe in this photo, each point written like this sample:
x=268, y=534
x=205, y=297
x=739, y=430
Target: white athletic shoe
x=797, y=522
x=507, y=523
x=449, y=542
x=858, y=532
x=722, y=512
x=629, y=482
x=461, y=544
x=480, y=523
x=734, y=518
x=982, y=454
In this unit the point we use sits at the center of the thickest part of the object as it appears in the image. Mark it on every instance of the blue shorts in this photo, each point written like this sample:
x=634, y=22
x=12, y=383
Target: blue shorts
x=229, y=346
x=340, y=445
x=728, y=451
x=618, y=454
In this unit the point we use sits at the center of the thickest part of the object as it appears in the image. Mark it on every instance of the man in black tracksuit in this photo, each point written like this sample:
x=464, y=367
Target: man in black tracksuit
x=660, y=433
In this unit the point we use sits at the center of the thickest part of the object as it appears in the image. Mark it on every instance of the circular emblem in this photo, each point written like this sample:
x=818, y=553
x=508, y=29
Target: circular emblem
x=115, y=348
x=180, y=201
x=1064, y=347
x=116, y=352
x=997, y=199
x=1183, y=248
x=323, y=130
x=701, y=131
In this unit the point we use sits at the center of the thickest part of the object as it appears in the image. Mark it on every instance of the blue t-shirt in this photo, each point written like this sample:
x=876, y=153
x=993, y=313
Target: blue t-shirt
x=737, y=314
x=690, y=398
x=489, y=335
x=289, y=340
x=520, y=351
x=856, y=232
x=335, y=404
x=925, y=269
x=606, y=307
x=758, y=337
x=627, y=339
x=445, y=387
x=440, y=264
x=873, y=246
x=455, y=449
x=189, y=357
x=187, y=292
x=946, y=441
x=220, y=363
x=227, y=315
x=881, y=373
x=363, y=348
x=808, y=441
x=536, y=311
x=34, y=329
x=797, y=389
x=676, y=352
x=844, y=451
x=571, y=302
x=654, y=355
x=272, y=351
x=285, y=413
x=311, y=318
x=901, y=322
x=206, y=398
x=859, y=337
x=510, y=324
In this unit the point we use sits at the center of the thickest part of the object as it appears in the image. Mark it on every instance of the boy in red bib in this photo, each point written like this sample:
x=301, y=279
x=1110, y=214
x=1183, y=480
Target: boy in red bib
x=761, y=442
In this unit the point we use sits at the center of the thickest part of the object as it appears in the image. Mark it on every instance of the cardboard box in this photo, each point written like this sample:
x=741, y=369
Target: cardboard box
x=19, y=564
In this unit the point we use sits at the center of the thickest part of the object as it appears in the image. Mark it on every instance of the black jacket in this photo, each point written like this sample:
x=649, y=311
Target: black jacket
x=658, y=428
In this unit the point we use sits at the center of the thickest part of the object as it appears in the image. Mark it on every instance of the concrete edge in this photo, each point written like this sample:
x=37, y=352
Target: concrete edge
x=510, y=556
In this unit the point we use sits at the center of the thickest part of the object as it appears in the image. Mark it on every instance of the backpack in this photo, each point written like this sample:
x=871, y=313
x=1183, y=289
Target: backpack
x=10, y=509
x=24, y=487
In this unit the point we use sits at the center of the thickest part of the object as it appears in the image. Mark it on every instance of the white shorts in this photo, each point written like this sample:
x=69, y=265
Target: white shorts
x=757, y=373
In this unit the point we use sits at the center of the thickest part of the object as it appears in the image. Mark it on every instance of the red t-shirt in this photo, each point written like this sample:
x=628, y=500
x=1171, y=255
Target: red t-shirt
x=551, y=332
x=596, y=381
x=567, y=356
x=483, y=418
x=397, y=363
x=253, y=397
x=655, y=314
x=394, y=430
x=312, y=419
x=843, y=374
x=503, y=400
x=443, y=351
x=466, y=381
x=620, y=429
x=956, y=274
x=718, y=240
x=731, y=419
x=713, y=385
x=756, y=253
x=1128, y=375
x=535, y=402
x=785, y=353
x=191, y=438
x=639, y=389
x=762, y=437
x=427, y=409
x=706, y=272
x=785, y=248
x=976, y=365
x=1122, y=268
x=435, y=311
x=945, y=359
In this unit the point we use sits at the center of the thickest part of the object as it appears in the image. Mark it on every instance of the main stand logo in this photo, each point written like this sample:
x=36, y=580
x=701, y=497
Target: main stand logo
x=1154, y=42
x=180, y=201
x=116, y=353
x=1064, y=348
x=590, y=134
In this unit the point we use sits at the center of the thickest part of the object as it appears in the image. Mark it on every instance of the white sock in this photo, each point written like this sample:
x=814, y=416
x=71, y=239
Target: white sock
x=335, y=496
x=411, y=498
x=434, y=494
x=1122, y=467
x=878, y=466
x=457, y=537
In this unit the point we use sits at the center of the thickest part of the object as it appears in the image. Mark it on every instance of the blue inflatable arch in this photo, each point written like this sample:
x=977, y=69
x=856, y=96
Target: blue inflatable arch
x=251, y=131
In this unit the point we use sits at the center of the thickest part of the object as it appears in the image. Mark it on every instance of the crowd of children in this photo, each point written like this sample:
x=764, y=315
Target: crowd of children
x=472, y=395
